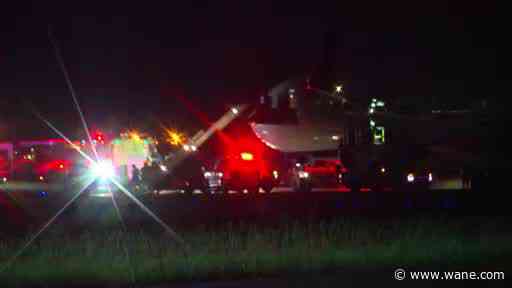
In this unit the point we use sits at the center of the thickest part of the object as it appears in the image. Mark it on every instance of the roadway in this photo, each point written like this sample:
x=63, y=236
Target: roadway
x=28, y=207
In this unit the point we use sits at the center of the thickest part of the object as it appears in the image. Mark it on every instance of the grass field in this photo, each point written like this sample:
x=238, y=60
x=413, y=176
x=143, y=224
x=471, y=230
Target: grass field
x=106, y=254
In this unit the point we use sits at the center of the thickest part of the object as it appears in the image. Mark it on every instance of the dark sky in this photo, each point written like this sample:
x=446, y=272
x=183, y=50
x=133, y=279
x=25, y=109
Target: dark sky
x=142, y=61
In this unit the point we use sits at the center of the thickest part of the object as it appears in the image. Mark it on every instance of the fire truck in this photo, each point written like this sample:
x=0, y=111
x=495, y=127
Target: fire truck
x=118, y=157
x=49, y=160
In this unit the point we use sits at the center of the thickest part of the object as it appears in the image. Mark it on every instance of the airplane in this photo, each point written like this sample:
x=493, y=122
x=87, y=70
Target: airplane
x=303, y=121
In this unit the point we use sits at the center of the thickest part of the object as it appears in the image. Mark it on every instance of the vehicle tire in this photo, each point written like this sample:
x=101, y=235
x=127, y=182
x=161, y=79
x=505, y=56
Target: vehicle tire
x=188, y=189
x=353, y=183
x=306, y=188
x=211, y=191
x=301, y=186
x=253, y=190
x=377, y=187
x=267, y=187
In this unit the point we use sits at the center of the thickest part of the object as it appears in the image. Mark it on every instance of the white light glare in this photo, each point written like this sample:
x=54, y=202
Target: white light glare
x=189, y=148
x=303, y=174
x=234, y=110
x=163, y=168
x=410, y=177
x=430, y=178
x=103, y=169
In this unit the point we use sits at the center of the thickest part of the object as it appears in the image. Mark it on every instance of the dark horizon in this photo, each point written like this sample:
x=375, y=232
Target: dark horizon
x=142, y=62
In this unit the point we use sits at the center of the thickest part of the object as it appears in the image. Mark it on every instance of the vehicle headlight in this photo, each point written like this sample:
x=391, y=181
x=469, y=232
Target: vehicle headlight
x=103, y=170
x=303, y=174
x=4, y=179
x=207, y=174
x=220, y=174
x=410, y=177
x=275, y=174
x=430, y=177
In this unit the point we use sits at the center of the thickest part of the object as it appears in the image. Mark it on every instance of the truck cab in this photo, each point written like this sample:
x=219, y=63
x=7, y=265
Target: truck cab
x=241, y=170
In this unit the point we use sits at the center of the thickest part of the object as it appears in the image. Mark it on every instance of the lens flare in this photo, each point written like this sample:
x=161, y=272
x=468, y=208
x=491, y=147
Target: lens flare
x=103, y=170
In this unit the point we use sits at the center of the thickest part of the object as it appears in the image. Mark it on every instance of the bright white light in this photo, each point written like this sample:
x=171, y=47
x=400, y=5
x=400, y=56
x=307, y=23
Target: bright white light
x=207, y=174
x=335, y=137
x=371, y=110
x=383, y=170
x=186, y=147
x=338, y=88
x=410, y=177
x=303, y=174
x=163, y=168
x=430, y=178
x=4, y=179
x=193, y=147
x=102, y=195
x=220, y=174
x=234, y=110
x=372, y=123
x=103, y=169
x=276, y=174
x=297, y=164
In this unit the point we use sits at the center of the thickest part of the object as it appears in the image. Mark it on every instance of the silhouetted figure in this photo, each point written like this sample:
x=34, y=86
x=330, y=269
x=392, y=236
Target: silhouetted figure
x=146, y=178
x=136, y=175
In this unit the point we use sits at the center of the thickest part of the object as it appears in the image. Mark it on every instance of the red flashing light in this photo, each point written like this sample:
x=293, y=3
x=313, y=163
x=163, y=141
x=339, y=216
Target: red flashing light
x=98, y=136
x=246, y=156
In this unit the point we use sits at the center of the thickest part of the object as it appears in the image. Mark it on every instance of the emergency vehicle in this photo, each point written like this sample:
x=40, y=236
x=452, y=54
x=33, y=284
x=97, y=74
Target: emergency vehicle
x=6, y=161
x=49, y=160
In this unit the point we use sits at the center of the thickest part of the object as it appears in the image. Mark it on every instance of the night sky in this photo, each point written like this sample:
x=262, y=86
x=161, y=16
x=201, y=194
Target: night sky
x=135, y=63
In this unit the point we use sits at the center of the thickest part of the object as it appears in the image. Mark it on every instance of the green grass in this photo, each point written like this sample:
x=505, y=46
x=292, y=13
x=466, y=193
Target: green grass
x=231, y=251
